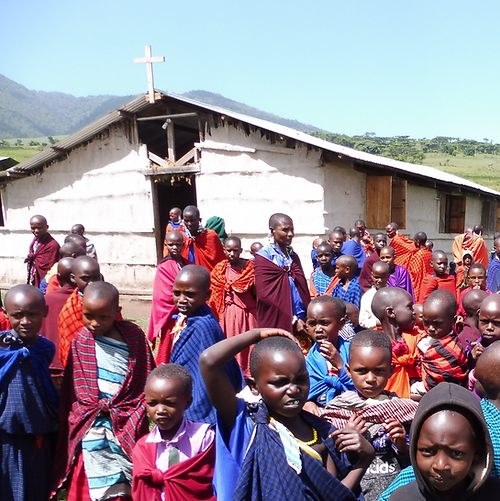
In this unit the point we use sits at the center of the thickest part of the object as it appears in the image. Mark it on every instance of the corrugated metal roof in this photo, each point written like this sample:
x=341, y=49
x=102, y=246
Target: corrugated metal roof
x=140, y=103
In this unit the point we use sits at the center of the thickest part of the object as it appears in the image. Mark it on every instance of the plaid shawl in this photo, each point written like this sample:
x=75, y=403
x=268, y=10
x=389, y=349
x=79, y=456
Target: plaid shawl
x=352, y=294
x=41, y=260
x=220, y=284
x=81, y=404
x=444, y=360
x=69, y=323
x=341, y=408
x=201, y=332
x=323, y=282
x=418, y=267
x=404, y=248
x=266, y=475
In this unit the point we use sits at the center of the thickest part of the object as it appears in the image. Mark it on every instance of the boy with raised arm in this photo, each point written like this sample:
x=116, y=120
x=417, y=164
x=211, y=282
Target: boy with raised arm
x=274, y=449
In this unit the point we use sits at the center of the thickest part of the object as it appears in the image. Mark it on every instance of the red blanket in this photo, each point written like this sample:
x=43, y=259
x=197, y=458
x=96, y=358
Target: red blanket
x=208, y=249
x=185, y=481
x=404, y=248
x=274, y=300
x=419, y=267
x=431, y=283
x=475, y=244
x=40, y=262
x=80, y=402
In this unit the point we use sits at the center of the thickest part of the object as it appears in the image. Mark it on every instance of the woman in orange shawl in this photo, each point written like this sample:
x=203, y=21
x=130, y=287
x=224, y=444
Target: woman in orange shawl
x=233, y=296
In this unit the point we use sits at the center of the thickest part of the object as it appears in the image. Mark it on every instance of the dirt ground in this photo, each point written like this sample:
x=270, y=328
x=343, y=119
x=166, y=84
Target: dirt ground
x=136, y=309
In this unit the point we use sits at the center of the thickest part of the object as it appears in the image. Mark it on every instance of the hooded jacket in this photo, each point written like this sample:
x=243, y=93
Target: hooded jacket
x=449, y=396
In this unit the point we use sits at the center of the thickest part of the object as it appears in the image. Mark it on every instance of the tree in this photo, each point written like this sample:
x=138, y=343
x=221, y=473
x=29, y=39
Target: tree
x=51, y=140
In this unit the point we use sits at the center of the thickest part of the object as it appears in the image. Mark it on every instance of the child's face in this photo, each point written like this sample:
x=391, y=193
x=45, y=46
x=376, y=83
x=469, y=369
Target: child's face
x=379, y=279
x=324, y=257
x=436, y=323
x=403, y=311
x=336, y=241
x=166, y=402
x=99, y=315
x=489, y=323
x=387, y=256
x=352, y=314
x=283, y=383
x=446, y=449
x=85, y=273
x=380, y=242
x=342, y=270
x=477, y=278
x=232, y=250
x=174, y=244
x=418, y=309
x=174, y=215
x=39, y=228
x=255, y=248
x=188, y=295
x=283, y=233
x=467, y=260
x=369, y=368
x=440, y=264
x=26, y=316
x=323, y=322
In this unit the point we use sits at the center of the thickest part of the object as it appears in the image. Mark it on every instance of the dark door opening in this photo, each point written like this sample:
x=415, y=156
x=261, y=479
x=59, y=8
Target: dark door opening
x=171, y=191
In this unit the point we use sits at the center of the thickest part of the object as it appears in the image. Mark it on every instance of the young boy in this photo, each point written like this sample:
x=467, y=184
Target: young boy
x=468, y=331
x=394, y=309
x=398, y=275
x=348, y=288
x=443, y=358
x=365, y=277
x=380, y=275
x=233, y=296
x=385, y=416
x=28, y=399
x=195, y=330
x=102, y=412
x=275, y=450
x=79, y=229
x=418, y=309
x=493, y=281
x=85, y=271
x=161, y=320
x=176, y=460
x=174, y=224
x=254, y=248
x=439, y=279
x=351, y=325
x=323, y=280
x=450, y=449
x=314, y=252
x=477, y=280
x=328, y=355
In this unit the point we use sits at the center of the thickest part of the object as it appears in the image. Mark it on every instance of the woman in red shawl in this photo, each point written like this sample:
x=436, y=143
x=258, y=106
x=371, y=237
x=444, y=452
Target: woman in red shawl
x=233, y=296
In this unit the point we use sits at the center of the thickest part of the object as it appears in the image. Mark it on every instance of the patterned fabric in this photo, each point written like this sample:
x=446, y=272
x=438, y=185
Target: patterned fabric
x=347, y=332
x=265, y=473
x=405, y=477
x=444, y=360
x=418, y=267
x=69, y=323
x=352, y=294
x=404, y=248
x=101, y=450
x=220, y=285
x=201, y=332
x=322, y=284
x=493, y=267
x=492, y=418
x=81, y=403
x=372, y=410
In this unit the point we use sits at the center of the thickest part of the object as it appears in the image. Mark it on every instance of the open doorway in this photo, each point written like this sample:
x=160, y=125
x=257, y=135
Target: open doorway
x=171, y=191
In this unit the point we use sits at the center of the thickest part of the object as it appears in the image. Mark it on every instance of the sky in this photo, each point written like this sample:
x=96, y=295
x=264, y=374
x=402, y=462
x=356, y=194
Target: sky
x=421, y=68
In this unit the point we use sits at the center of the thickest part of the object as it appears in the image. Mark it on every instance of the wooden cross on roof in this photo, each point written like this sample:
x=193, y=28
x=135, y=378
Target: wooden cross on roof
x=149, y=60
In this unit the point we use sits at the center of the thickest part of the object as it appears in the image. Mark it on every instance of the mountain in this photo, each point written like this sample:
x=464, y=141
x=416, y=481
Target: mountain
x=28, y=113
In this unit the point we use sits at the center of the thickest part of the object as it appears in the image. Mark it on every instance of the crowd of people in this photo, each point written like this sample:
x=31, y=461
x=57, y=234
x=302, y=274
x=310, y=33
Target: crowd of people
x=376, y=378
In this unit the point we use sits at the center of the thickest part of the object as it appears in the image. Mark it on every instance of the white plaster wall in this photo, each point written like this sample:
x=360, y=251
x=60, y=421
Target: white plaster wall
x=99, y=185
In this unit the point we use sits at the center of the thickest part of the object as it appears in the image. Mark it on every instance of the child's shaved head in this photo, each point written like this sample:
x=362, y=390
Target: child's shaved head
x=348, y=260
x=78, y=229
x=487, y=372
x=233, y=239
x=372, y=339
x=33, y=294
x=444, y=300
x=472, y=301
x=196, y=274
x=71, y=249
x=78, y=239
x=336, y=303
x=64, y=270
x=277, y=219
x=388, y=297
x=103, y=291
x=270, y=345
x=192, y=210
x=174, y=371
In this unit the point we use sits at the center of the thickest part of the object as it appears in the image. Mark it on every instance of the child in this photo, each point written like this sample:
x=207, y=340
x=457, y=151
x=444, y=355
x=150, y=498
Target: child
x=323, y=280
x=418, y=309
x=348, y=288
x=162, y=307
x=493, y=267
x=254, y=248
x=43, y=251
x=28, y=399
x=102, y=412
x=430, y=245
x=85, y=271
x=314, y=252
x=443, y=358
x=380, y=275
x=477, y=280
x=176, y=460
x=462, y=280
x=386, y=417
x=450, y=449
x=336, y=240
x=51, y=281
x=398, y=275
x=195, y=330
x=233, y=296
x=328, y=355
x=439, y=279
x=275, y=450
x=394, y=309
x=351, y=325
x=468, y=332
x=79, y=229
